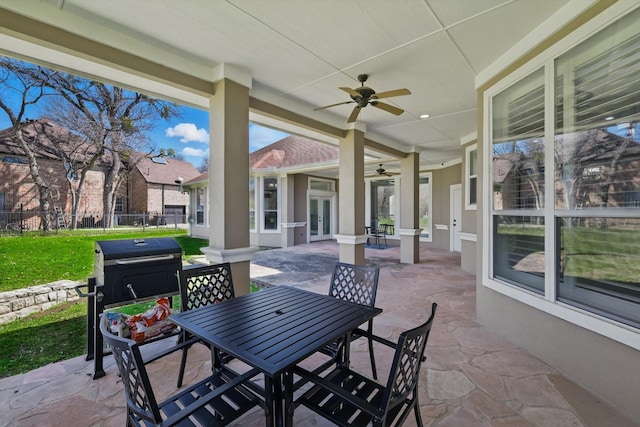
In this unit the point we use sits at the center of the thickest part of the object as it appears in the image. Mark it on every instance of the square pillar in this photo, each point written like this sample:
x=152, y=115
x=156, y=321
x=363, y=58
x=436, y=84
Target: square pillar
x=409, y=202
x=229, y=180
x=351, y=238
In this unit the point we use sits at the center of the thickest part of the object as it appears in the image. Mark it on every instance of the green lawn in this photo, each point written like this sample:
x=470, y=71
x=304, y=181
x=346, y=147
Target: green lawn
x=59, y=333
x=35, y=260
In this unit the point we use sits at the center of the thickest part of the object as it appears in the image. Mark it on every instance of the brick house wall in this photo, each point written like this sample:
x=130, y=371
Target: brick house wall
x=19, y=187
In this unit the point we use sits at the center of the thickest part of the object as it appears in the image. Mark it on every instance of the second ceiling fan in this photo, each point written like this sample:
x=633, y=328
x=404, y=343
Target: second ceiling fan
x=364, y=95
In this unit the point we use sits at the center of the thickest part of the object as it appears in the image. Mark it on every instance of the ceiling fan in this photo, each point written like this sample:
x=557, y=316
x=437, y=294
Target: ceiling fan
x=381, y=172
x=364, y=96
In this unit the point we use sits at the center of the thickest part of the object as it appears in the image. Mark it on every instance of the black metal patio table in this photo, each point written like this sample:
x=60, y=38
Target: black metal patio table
x=273, y=330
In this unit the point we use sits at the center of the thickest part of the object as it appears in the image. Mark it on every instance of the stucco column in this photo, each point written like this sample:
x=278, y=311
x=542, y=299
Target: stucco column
x=351, y=238
x=229, y=175
x=409, y=230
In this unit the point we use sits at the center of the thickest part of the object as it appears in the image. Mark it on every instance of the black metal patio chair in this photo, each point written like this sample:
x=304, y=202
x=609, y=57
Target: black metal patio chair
x=202, y=285
x=378, y=232
x=347, y=398
x=357, y=284
x=215, y=401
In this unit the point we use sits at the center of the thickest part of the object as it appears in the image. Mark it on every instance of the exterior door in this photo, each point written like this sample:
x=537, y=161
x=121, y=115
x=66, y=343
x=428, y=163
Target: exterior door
x=319, y=218
x=456, y=217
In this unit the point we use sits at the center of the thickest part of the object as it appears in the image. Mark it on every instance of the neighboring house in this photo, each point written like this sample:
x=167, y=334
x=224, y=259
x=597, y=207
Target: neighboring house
x=150, y=188
x=154, y=186
x=58, y=152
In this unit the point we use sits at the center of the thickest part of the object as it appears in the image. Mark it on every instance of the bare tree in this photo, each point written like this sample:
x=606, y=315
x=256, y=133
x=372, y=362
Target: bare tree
x=25, y=92
x=116, y=121
x=204, y=167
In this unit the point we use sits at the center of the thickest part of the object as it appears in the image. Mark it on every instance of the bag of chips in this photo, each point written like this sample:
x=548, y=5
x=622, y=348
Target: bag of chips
x=152, y=322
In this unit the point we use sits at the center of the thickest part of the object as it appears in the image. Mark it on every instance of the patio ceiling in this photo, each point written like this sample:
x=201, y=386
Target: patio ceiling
x=297, y=53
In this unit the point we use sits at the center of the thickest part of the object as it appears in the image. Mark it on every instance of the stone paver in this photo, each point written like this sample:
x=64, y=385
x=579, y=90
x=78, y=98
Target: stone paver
x=472, y=376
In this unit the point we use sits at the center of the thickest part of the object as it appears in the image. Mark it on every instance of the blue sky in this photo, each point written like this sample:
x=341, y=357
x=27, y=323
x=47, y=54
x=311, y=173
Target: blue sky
x=189, y=135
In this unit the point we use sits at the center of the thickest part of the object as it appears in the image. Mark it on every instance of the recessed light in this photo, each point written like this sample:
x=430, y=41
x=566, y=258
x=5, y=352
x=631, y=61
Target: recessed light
x=609, y=118
x=424, y=116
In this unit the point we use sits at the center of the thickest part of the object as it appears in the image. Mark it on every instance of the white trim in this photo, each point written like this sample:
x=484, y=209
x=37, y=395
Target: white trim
x=468, y=138
x=441, y=226
x=409, y=231
x=468, y=206
x=292, y=224
x=349, y=239
x=469, y=237
x=218, y=256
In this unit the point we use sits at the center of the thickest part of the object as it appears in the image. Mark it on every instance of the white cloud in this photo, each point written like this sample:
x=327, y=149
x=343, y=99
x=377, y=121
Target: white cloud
x=188, y=132
x=194, y=152
x=260, y=136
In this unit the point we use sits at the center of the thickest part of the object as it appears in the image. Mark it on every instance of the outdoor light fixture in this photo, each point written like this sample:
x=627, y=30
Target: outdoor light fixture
x=179, y=180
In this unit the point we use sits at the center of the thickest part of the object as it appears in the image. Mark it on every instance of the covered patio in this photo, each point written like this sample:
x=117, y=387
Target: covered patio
x=472, y=376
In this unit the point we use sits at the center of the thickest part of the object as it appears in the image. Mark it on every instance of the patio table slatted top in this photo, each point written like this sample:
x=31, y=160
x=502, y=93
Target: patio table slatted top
x=275, y=328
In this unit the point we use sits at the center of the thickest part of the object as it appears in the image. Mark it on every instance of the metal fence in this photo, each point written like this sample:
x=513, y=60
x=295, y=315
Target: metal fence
x=29, y=222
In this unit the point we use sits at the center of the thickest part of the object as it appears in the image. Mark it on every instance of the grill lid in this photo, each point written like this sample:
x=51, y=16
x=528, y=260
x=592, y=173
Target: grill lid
x=132, y=248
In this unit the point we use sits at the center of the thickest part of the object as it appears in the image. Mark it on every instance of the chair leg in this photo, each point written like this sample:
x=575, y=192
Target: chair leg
x=373, y=360
x=416, y=410
x=183, y=364
x=371, y=353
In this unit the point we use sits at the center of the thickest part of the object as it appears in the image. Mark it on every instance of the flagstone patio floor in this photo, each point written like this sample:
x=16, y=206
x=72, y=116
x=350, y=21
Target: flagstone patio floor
x=472, y=377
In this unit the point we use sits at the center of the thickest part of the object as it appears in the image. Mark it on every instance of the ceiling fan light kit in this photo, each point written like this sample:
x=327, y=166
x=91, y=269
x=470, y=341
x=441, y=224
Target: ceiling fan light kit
x=364, y=95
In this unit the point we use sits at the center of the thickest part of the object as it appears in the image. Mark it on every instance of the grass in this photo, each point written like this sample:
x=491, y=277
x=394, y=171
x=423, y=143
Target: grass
x=34, y=260
x=42, y=338
x=59, y=333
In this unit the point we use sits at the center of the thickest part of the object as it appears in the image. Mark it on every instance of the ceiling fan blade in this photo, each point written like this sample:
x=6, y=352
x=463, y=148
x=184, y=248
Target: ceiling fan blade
x=354, y=114
x=390, y=93
x=388, y=108
x=333, y=105
x=350, y=91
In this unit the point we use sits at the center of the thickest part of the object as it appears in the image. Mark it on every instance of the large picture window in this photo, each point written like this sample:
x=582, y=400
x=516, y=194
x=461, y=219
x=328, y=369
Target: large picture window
x=201, y=204
x=591, y=214
x=424, y=208
x=270, y=203
x=471, y=177
x=252, y=203
x=597, y=172
x=382, y=202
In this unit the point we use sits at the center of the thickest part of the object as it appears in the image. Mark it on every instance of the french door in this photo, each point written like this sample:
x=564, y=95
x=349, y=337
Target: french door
x=319, y=218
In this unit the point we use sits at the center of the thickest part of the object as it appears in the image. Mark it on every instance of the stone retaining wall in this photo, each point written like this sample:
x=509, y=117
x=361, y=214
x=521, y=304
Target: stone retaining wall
x=22, y=302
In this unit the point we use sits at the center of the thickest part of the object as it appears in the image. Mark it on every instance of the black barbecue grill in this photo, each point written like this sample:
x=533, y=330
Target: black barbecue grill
x=127, y=271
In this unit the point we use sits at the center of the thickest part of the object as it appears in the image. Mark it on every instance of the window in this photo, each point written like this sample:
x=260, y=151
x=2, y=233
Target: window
x=424, y=208
x=252, y=203
x=518, y=183
x=590, y=219
x=15, y=160
x=471, y=173
x=597, y=173
x=382, y=201
x=201, y=206
x=321, y=184
x=270, y=203
x=119, y=205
